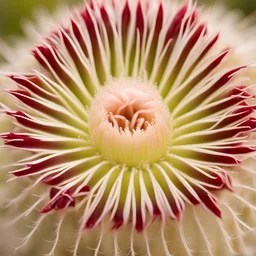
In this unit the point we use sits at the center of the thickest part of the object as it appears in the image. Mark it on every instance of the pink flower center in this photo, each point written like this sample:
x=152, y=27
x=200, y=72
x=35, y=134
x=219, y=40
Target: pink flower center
x=129, y=115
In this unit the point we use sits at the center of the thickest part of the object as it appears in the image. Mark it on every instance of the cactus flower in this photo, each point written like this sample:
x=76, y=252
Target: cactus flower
x=138, y=122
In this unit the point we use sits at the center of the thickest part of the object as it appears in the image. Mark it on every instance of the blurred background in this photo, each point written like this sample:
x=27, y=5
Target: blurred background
x=12, y=12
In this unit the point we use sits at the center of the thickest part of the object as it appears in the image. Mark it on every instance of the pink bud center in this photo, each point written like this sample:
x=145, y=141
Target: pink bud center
x=131, y=115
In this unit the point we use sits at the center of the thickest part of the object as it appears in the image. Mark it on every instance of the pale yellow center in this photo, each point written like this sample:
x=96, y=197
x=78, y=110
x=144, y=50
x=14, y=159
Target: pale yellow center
x=129, y=123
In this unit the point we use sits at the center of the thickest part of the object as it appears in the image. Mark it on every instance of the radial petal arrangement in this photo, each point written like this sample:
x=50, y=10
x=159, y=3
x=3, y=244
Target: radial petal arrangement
x=136, y=117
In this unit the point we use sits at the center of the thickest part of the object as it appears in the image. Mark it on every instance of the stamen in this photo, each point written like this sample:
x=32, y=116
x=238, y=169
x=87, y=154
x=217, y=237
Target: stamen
x=127, y=117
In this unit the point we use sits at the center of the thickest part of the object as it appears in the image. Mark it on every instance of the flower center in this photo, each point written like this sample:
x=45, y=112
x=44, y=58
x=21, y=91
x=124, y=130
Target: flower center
x=130, y=114
x=129, y=122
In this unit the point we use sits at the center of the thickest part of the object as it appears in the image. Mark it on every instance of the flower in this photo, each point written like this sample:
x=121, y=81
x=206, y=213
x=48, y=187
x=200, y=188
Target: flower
x=140, y=128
